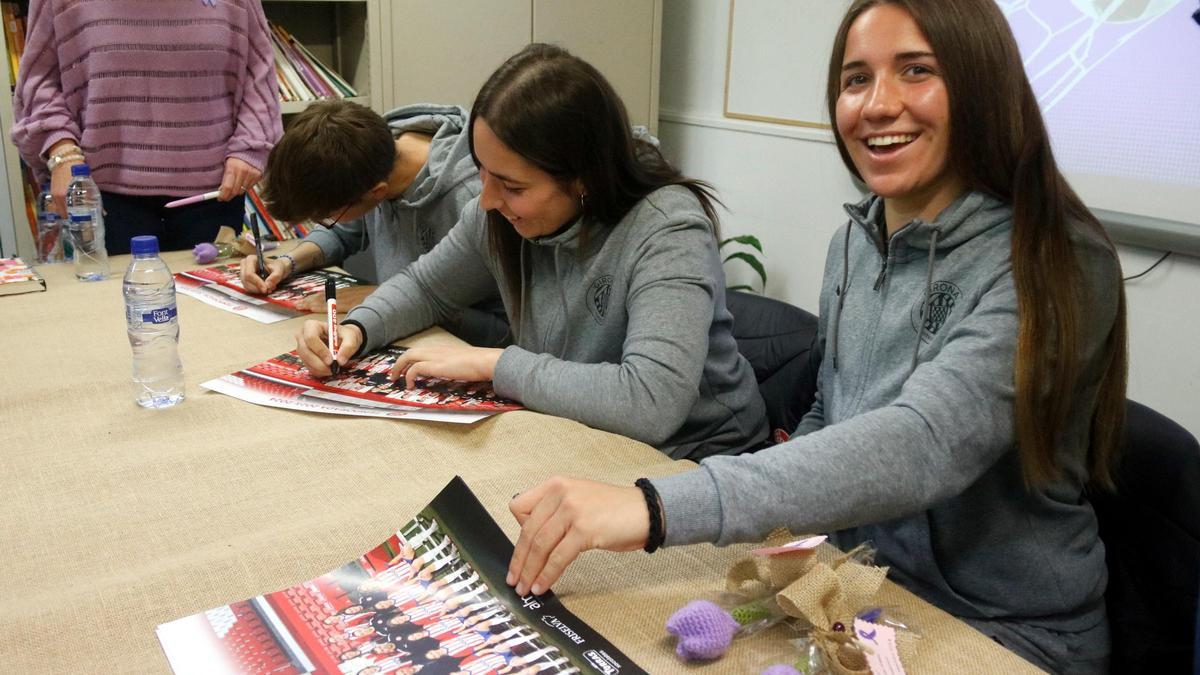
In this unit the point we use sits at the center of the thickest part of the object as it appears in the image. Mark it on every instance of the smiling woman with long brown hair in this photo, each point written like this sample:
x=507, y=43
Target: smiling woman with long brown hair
x=606, y=261
x=973, y=373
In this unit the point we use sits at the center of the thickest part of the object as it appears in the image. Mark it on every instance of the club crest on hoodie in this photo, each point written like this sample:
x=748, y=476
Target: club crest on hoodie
x=942, y=297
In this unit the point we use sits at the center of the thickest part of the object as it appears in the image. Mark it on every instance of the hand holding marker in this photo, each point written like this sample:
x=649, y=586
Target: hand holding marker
x=331, y=322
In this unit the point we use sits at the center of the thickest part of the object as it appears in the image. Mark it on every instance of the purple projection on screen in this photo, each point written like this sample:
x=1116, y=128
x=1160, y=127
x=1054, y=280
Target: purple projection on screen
x=1119, y=84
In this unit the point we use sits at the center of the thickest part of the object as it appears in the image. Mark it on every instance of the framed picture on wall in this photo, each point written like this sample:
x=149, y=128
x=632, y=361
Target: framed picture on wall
x=778, y=55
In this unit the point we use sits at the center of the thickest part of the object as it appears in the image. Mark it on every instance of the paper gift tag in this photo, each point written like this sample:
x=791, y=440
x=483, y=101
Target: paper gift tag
x=879, y=645
x=807, y=544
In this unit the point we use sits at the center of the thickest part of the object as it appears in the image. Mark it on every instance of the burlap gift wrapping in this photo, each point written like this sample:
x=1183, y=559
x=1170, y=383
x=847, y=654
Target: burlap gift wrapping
x=819, y=594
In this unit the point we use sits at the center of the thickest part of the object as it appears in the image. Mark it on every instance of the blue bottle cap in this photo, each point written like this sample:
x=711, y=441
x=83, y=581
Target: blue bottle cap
x=80, y=170
x=146, y=244
x=80, y=217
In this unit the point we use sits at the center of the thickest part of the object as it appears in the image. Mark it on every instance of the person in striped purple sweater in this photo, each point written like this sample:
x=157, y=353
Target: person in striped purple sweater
x=162, y=98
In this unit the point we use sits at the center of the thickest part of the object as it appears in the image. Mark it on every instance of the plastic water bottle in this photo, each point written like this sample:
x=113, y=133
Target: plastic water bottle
x=86, y=215
x=49, y=233
x=153, y=324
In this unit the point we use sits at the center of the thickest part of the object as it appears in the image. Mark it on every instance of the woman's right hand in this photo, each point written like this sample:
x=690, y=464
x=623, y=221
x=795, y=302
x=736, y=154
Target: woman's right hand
x=312, y=344
x=60, y=178
x=278, y=269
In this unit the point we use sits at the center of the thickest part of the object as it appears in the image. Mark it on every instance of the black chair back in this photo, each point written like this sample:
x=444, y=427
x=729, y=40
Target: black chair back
x=780, y=342
x=1151, y=533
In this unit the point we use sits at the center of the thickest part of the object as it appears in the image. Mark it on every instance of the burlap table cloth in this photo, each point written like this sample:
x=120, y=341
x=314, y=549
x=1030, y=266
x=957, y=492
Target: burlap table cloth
x=116, y=519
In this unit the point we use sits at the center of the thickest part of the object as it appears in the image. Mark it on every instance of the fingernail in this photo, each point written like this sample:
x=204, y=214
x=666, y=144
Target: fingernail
x=510, y=578
x=537, y=589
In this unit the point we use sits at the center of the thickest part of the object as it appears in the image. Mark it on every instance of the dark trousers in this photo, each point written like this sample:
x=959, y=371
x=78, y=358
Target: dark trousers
x=127, y=216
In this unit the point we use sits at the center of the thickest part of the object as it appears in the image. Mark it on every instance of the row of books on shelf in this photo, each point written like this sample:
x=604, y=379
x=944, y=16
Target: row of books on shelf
x=301, y=76
x=278, y=230
x=14, y=36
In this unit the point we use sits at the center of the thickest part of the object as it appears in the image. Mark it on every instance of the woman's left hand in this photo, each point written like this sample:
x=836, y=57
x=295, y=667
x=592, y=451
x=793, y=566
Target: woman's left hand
x=239, y=177
x=468, y=364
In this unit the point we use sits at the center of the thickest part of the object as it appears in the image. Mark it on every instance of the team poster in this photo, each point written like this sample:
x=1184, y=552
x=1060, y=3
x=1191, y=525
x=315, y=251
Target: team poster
x=288, y=294
x=430, y=600
x=365, y=380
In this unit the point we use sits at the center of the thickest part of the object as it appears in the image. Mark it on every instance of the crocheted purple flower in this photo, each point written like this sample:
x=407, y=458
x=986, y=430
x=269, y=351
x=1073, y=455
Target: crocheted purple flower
x=780, y=669
x=204, y=253
x=704, y=630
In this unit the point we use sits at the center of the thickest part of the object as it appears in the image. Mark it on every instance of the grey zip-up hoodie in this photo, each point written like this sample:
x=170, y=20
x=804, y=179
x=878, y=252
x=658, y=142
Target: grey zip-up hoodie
x=920, y=456
x=622, y=328
x=403, y=229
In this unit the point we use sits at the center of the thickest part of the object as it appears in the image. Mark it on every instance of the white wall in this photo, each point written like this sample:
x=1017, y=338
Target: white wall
x=786, y=185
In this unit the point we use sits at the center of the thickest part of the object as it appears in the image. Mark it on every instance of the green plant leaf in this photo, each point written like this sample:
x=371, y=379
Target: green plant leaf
x=747, y=239
x=752, y=262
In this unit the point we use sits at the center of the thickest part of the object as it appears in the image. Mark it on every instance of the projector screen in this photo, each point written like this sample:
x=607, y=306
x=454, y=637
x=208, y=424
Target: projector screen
x=1119, y=86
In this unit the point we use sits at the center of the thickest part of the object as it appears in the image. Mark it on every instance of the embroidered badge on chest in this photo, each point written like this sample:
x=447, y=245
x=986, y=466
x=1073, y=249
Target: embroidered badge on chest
x=943, y=295
x=597, y=297
x=425, y=236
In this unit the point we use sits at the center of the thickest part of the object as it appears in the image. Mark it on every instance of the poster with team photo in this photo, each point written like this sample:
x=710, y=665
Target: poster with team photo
x=218, y=296
x=277, y=394
x=228, y=277
x=365, y=380
x=431, y=599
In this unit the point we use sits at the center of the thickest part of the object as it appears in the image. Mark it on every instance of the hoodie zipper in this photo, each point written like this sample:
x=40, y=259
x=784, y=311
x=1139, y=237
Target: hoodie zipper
x=882, y=246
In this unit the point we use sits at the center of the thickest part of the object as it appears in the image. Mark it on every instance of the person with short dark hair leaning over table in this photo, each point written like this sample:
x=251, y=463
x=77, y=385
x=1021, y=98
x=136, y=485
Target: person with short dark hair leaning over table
x=973, y=379
x=606, y=259
x=392, y=184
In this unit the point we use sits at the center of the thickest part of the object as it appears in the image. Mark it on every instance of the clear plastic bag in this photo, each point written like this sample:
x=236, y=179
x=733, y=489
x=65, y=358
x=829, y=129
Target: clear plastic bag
x=844, y=653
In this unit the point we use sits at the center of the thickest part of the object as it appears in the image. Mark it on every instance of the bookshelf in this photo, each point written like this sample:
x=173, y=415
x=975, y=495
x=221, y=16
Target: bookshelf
x=344, y=34
x=15, y=238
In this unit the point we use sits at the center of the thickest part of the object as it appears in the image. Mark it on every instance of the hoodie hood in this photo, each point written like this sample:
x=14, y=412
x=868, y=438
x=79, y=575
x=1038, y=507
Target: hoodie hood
x=972, y=214
x=449, y=163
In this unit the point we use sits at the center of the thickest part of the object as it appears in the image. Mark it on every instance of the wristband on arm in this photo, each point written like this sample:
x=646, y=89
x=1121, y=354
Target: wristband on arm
x=68, y=149
x=657, y=530
x=54, y=161
x=291, y=261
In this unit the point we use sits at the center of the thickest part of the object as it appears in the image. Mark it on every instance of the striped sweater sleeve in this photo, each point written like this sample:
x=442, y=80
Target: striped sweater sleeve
x=42, y=115
x=259, y=124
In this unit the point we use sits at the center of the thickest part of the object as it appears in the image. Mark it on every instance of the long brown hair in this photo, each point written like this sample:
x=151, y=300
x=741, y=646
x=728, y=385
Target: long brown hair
x=999, y=145
x=559, y=113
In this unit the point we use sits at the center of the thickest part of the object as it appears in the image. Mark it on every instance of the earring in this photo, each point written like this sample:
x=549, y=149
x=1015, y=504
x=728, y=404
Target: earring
x=583, y=200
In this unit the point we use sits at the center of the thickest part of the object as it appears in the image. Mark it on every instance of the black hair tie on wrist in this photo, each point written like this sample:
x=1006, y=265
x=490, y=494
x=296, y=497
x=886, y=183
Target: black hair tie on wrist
x=656, y=537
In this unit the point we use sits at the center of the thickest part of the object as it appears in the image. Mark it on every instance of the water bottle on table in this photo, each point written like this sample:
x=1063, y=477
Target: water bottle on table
x=153, y=326
x=49, y=233
x=85, y=214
